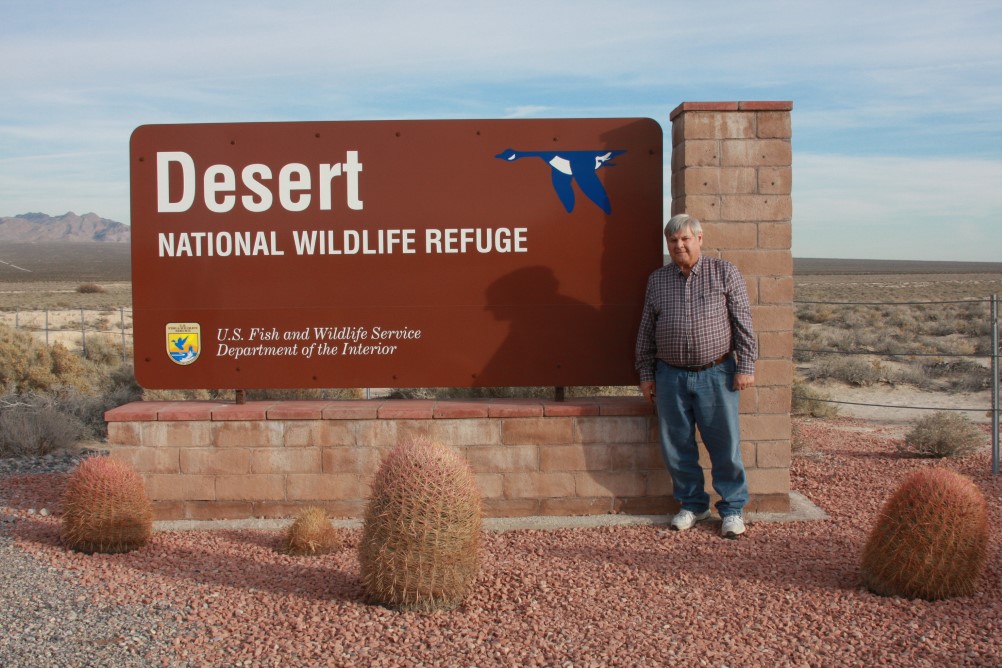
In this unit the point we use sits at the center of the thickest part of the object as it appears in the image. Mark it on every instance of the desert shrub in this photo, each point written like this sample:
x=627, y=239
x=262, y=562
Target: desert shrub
x=90, y=289
x=815, y=313
x=40, y=417
x=803, y=353
x=120, y=388
x=930, y=539
x=850, y=370
x=105, y=351
x=306, y=394
x=956, y=344
x=33, y=424
x=28, y=365
x=810, y=401
x=25, y=363
x=106, y=508
x=471, y=392
x=903, y=320
x=913, y=375
x=870, y=339
x=277, y=394
x=832, y=339
x=798, y=444
x=576, y=391
x=960, y=374
x=944, y=345
x=186, y=395
x=943, y=434
x=311, y=534
x=939, y=328
x=970, y=383
x=72, y=370
x=976, y=325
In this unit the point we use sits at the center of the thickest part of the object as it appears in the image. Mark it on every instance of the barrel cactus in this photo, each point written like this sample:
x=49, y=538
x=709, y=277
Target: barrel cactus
x=105, y=508
x=930, y=539
x=420, y=545
x=311, y=534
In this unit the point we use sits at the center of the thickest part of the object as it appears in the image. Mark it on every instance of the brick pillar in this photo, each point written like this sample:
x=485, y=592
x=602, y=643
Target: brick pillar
x=731, y=169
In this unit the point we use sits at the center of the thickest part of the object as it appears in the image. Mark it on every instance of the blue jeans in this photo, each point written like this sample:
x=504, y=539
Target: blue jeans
x=705, y=399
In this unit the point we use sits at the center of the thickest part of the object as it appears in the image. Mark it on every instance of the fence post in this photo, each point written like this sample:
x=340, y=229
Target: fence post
x=46, y=327
x=121, y=324
x=995, y=384
x=83, y=334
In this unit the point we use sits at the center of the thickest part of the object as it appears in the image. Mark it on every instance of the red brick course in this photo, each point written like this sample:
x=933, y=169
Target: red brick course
x=531, y=457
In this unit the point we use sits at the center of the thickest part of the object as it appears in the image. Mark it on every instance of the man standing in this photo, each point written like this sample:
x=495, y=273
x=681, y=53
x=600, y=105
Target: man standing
x=695, y=351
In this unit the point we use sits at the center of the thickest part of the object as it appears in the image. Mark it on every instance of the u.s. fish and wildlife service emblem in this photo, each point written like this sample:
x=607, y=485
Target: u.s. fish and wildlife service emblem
x=184, y=342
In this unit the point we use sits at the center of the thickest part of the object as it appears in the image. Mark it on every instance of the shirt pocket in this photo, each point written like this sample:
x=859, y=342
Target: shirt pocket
x=713, y=305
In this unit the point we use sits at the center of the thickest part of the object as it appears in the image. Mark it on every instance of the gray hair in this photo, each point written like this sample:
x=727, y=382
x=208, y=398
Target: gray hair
x=679, y=222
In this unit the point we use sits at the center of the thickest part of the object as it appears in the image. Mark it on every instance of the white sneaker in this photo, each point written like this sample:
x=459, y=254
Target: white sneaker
x=732, y=527
x=686, y=518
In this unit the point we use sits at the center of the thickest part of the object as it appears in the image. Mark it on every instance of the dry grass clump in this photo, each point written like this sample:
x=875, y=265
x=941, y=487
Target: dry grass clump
x=866, y=319
x=810, y=401
x=815, y=313
x=279, y=394
x=106, y=351
x=961, y=375
x=28, y=365
x=799, y=446
x=53, y=397
x=943, y=434
x=90, y=289
x=579, y=391
x=34, y=424
x=850, y=370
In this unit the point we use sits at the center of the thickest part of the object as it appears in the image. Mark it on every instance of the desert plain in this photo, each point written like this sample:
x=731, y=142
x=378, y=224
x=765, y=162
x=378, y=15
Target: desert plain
x=934, y=317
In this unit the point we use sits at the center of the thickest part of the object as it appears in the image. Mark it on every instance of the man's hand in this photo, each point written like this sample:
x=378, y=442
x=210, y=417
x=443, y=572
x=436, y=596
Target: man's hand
x=742, y=381
x=647, y=387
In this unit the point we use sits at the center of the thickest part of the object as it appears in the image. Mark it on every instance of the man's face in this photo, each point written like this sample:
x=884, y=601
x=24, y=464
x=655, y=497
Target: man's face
x=684, y=248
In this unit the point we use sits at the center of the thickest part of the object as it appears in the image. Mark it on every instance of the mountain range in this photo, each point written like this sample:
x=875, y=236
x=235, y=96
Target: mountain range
x=69, y=227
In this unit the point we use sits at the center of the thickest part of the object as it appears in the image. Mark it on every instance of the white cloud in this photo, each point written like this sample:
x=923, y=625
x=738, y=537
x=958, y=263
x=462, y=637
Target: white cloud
x=867, y=79
x=897, y=208
x=526, y=111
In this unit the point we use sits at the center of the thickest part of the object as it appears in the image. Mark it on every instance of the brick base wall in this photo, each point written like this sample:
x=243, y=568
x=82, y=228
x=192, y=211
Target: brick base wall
x=218, y=460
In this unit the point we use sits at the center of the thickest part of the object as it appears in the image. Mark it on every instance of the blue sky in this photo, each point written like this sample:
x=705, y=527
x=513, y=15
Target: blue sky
x=897, y=120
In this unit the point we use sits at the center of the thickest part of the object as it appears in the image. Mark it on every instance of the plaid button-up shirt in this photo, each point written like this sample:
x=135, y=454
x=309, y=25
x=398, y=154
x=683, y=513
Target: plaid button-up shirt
x=696, y=320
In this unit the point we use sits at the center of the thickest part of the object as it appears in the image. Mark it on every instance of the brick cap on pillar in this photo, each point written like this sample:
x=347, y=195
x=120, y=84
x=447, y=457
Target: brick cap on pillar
x=731, y=106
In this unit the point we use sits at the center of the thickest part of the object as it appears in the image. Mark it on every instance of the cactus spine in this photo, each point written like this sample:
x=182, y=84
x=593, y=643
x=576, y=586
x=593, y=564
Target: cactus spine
x=105, y=508
x=420, y=546
x=930, y=539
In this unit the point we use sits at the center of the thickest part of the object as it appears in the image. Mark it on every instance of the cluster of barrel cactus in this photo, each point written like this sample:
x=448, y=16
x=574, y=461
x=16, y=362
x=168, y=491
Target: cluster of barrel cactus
x=930, y=539
x=311, y=534
x=420, y=545
x=106, y=508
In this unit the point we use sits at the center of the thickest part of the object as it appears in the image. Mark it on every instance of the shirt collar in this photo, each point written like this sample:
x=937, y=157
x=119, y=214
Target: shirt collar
x=695, y=267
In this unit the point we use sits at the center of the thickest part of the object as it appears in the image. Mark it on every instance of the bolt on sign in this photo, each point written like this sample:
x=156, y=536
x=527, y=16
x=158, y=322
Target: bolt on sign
x=393, y=253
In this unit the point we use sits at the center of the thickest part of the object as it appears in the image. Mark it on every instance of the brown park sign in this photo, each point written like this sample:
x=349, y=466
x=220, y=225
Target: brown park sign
x=393, y=253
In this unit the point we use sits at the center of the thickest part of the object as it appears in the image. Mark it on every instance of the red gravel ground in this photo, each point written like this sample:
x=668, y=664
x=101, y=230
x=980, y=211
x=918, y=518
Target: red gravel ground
x=785, y=594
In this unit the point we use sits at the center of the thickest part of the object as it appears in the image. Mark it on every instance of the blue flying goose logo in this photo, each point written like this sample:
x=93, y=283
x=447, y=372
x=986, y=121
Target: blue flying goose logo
x=567, y=167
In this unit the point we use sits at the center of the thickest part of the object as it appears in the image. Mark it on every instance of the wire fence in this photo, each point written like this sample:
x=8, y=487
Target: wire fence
x=76, y=328
x=80, y=328
x=992, y=354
